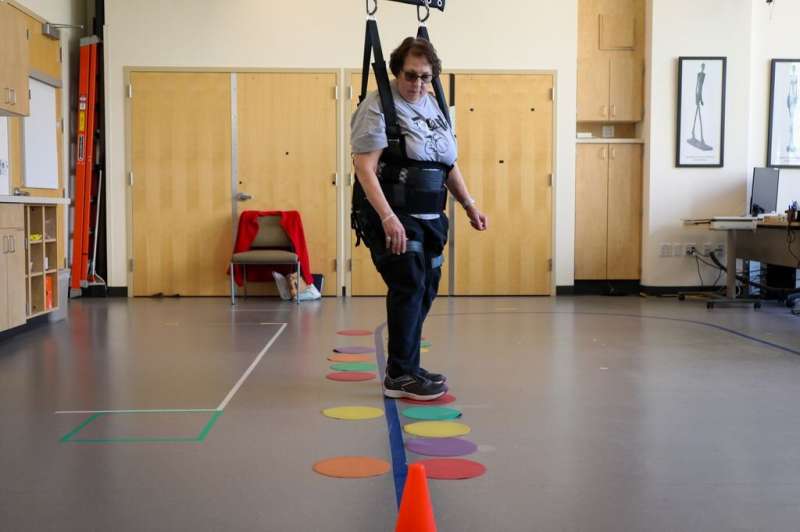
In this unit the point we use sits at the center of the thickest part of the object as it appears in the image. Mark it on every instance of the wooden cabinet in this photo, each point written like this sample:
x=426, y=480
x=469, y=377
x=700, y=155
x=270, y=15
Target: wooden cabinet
x=611, y=61
x=14, y=61
x=12, y=267
x=608, y=214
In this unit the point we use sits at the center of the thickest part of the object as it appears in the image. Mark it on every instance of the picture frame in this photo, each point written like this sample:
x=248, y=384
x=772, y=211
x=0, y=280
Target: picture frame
x=783, y=133
x=700, y=133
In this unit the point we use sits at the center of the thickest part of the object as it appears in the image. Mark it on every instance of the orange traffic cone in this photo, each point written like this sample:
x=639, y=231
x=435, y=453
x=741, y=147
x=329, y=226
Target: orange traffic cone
x=416, y=512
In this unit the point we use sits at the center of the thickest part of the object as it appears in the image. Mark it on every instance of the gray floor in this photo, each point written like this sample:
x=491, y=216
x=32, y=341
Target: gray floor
x=592, y=414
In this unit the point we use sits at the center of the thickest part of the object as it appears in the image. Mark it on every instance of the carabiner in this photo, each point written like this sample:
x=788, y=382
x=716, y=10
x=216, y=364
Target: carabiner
x=427, y=5
x=374, y=9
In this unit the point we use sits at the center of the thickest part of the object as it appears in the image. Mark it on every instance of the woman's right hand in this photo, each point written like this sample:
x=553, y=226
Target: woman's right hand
x=395, y=235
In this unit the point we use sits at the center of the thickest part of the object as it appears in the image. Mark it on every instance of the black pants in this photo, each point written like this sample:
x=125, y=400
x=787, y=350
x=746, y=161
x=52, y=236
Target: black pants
x=412, y=280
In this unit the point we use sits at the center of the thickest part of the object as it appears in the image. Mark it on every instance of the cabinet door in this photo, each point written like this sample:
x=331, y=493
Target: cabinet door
x=593, y=87
x=626, y=88
x=12, y=216
x=624, y=211
x=5, y=246
x=591, y=211
x=15, y=282
x=13, y=62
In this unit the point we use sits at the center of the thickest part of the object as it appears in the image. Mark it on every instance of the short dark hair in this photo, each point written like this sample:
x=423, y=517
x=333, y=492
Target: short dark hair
x=416, y=47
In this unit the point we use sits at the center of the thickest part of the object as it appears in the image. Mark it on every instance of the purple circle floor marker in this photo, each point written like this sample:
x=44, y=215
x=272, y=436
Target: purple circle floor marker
x=354, y=350
x=441, y=446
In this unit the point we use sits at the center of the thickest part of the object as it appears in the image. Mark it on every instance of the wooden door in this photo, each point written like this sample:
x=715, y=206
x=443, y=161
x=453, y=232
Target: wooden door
x=181, y=197
x=505, y=136
x=593, y=88
x=624, y=211
x=287, y=155
x=364, y=278
x=591, y=211
x=17, y=285
x=626, y=92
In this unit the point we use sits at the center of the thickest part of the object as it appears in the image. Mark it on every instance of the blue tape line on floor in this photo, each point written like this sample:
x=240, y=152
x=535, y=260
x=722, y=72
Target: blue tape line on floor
x=396, y=446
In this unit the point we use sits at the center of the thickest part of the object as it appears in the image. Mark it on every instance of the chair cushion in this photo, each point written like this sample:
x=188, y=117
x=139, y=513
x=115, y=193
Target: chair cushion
x=265, y=256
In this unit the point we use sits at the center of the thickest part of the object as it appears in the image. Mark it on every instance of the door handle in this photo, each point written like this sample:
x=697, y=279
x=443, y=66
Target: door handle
x=604, y=153
x=243, y=196
x=13, y=240
x=613, y=153
x=613, y=110
x=13, y=96
x=604, y=111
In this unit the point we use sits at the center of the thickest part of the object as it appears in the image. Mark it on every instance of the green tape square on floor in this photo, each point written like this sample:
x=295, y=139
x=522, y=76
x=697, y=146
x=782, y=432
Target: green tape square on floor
x=143, y=427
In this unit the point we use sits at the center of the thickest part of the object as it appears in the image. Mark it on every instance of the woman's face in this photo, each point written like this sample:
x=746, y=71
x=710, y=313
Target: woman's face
x=413, y=81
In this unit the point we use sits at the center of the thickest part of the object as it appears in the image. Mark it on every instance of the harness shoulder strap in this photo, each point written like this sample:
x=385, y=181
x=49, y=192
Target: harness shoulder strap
x=422, y=33
x=372, y=45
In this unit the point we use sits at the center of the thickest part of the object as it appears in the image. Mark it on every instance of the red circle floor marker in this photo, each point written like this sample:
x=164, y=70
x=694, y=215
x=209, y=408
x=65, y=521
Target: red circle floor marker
x=350, y=376
x=452, y=468
x=446, y=399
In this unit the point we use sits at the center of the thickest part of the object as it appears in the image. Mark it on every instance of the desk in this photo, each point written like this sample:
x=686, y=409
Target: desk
x=766, y=244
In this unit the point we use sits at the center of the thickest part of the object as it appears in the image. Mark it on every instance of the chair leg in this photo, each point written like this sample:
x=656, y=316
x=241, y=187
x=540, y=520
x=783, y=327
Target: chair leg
x=244, y=267
x=297, y=292
x=233, y=284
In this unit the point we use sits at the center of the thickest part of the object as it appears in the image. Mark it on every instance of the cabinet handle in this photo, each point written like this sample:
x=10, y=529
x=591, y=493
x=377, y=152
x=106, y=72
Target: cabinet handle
x=603, y=153
x=613, y=153
x=13, y=96
x=604, y=111
x=13, y=239
x=613, y=110
x=8, y=96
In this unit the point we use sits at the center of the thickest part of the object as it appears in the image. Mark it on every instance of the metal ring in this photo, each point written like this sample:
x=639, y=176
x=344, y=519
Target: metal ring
x=374, y=9
x=427, y=5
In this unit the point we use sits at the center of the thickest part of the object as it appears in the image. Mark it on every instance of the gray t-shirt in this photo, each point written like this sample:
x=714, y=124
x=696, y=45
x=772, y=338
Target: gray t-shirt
x=428, y=135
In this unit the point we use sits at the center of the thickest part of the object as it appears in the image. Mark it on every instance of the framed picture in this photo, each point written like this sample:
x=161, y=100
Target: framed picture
x=701, y=112
x=783, y=144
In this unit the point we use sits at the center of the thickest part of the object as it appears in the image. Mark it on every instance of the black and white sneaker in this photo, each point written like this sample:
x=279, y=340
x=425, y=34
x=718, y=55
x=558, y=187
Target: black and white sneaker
x=413, y=387
x=436, y=378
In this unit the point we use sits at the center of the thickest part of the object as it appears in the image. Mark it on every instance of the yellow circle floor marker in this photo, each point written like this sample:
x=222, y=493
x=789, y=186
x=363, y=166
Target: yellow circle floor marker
x=353, y=412
x=437, y=429
x=425, y=350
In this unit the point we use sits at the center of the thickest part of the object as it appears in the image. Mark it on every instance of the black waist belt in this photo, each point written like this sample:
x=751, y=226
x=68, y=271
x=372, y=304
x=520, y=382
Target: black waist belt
x=414, y=189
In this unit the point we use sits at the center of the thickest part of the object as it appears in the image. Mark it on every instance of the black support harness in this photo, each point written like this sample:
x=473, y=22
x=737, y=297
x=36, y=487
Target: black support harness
x=410, y=186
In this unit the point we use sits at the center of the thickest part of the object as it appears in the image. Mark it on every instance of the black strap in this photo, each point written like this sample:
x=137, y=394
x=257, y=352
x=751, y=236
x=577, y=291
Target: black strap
x=422, y=33
x=372, y=45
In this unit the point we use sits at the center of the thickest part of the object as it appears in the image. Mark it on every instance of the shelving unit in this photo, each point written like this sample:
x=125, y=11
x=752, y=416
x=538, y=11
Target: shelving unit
x=41, y=237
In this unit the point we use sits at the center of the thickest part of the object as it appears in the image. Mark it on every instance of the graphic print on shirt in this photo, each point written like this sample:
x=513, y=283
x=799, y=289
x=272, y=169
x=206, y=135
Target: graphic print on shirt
x=432, y=129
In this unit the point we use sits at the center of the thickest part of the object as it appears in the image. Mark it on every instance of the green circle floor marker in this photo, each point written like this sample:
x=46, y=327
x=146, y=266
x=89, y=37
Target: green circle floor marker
x=431, y=413
x=354, y=366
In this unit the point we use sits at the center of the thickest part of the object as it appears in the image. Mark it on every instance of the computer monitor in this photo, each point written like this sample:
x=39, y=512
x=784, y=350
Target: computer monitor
x=764, y=197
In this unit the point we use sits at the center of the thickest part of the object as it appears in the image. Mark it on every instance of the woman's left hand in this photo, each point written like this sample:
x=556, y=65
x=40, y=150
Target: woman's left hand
x=477, y=219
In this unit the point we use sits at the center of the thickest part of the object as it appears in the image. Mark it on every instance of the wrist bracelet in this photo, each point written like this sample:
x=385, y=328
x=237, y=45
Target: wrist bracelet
x=389, y=217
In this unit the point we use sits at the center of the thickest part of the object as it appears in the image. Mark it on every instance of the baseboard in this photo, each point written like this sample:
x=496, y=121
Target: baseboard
x=117, y=291
x=33, y=323
x=674, y=290
x=608, y=287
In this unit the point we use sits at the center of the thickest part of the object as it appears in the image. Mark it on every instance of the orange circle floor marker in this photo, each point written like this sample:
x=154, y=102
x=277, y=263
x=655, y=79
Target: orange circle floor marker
x=352, y=467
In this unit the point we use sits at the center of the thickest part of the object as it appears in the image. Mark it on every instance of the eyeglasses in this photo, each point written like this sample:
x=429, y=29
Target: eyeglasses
x=413, y=77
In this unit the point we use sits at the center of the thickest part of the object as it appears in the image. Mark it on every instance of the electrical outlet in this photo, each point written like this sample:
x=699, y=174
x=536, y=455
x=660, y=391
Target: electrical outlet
x=3, y=167
x=666, y=250
x=690, y=249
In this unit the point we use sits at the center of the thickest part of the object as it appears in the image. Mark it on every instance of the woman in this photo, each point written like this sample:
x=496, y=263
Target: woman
x=406, y=237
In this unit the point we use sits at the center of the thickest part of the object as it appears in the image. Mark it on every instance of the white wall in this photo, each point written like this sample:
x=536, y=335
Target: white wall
x=774, y=37
x=473, y=34
x=749, y=33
